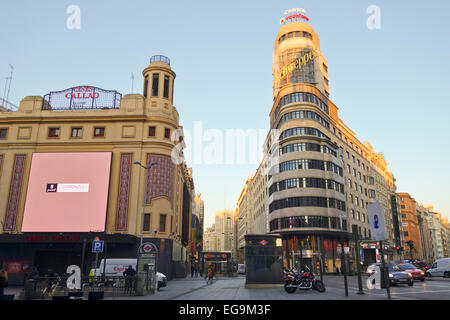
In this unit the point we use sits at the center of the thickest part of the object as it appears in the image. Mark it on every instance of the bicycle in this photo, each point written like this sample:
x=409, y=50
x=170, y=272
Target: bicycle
x=50, y=289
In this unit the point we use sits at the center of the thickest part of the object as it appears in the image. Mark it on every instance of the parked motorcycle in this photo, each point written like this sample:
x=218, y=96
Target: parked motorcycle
x=303, y=280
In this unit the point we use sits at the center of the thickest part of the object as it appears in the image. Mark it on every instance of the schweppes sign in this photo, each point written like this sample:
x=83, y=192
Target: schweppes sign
x=297, y=64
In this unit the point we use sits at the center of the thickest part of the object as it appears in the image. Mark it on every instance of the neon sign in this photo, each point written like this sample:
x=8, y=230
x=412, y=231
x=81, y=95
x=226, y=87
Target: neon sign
x=296, y=64
x=294, y=13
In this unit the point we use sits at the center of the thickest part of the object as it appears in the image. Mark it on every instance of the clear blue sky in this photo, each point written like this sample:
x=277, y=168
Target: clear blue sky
x=390, y=85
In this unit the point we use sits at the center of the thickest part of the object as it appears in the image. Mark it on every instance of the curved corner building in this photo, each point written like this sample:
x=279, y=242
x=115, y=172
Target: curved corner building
x=307, y=201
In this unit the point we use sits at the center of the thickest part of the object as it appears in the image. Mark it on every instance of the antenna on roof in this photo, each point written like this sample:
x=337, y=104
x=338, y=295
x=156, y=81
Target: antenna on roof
x=132, y=82
x=10, y=80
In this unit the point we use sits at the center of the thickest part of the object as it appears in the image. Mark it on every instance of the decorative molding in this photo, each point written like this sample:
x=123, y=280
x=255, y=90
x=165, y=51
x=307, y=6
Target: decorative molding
x=123, y=191
x=160, y=177
x=14, y=192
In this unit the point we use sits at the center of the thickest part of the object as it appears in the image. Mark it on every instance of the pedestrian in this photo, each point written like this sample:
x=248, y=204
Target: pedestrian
x=192, y=270
x=196, y=270
x=3, y=278
x=341, y=270
x=209, y=274
x=129, y=275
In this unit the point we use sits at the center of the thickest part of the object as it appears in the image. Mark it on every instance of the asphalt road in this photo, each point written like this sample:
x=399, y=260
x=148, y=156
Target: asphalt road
x=234, y=289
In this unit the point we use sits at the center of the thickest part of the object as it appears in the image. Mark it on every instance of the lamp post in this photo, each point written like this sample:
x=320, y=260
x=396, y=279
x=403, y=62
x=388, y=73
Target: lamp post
x=145, y=193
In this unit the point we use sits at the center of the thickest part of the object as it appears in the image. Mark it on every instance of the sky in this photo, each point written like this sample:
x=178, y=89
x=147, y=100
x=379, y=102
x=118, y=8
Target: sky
x=390, y=84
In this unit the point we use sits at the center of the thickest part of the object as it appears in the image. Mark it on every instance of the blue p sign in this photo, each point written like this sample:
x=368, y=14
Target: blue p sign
x=97, y=246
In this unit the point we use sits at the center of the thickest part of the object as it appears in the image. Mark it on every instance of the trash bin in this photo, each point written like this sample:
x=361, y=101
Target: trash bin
x=29, y=289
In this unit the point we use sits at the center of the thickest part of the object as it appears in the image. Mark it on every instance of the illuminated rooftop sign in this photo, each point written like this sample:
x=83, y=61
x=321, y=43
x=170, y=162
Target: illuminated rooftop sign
x=294, y=14
x=296, y=64
x=82, y=97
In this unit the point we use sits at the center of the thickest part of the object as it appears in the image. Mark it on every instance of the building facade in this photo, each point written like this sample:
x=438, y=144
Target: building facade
x=50, y=167
x=410, y=226
x=220, y=236
x=320, y=176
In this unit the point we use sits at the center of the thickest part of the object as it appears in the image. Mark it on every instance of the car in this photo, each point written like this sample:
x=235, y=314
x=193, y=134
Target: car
x=417, y=273
x=421, y=265
x=398, y=276
x=440, y=268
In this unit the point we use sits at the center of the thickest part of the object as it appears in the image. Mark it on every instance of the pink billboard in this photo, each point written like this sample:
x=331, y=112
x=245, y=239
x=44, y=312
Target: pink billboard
x=67, y=192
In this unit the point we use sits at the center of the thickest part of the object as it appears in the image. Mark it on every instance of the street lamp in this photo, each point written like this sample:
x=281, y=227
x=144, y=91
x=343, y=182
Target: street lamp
x=145, y=192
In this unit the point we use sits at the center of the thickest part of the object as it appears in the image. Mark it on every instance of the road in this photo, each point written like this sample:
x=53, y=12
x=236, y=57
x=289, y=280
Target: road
x=234, y=289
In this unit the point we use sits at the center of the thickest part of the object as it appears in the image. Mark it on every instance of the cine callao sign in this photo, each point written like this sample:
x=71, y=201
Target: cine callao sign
x=294, y=13
x=82, y=93
x=296, y=64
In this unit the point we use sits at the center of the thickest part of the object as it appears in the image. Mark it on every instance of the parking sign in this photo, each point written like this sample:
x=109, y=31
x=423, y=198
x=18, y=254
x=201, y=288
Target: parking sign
x=97, y=246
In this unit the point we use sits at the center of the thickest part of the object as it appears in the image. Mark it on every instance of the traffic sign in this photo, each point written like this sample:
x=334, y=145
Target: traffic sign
x=97, y=246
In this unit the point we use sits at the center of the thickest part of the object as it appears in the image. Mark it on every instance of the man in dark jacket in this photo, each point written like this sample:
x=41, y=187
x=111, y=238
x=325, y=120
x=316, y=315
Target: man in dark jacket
x=129, y=275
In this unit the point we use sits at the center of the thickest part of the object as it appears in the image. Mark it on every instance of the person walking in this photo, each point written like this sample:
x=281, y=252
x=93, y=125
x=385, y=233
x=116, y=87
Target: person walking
x=209, y=275
x=129, y=275
x=196, y=270
x=192, y=270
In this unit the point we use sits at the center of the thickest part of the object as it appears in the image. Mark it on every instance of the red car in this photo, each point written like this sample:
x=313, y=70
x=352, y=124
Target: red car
x=417, y=273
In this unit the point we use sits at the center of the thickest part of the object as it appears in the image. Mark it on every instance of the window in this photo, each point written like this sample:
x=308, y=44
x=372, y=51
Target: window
x=3, y=133
x=145, y=86
x=354, y=172
x=405, y=233
x=76, y=132
x=155, y=84
x=348, y=169
x=152, y=131
x=325, y=67
x=166, y=87
x=353, y=159
x=162, y=223
x=146, y=226
x=403, y=206
x=53, y=132
x=359, y=163
x=348, y=155
x=290, y=35
x=167, y=133
x=99, y=132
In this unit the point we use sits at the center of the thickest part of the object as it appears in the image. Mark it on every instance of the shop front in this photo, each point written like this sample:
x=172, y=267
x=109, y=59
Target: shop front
x=315, y=250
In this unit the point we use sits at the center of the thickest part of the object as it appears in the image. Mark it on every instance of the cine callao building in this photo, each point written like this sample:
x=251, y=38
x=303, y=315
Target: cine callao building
x=324, y=177
x=67, y=176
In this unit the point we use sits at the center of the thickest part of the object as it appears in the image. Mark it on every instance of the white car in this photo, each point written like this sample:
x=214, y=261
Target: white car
x=440, y=268
x=115, y=268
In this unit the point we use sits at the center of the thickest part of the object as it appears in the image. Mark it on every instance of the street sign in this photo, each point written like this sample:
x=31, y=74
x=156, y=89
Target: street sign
x=97, y=246
x=376, y=221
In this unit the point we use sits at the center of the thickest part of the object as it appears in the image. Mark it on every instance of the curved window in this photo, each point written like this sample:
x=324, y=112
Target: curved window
x=306, y=183
x=307, y=202
x=300, y=164
x=300, y=131
x=304, y=146
x=301, y=97
x=308, y=222
x=303, y=34
x=303, y=114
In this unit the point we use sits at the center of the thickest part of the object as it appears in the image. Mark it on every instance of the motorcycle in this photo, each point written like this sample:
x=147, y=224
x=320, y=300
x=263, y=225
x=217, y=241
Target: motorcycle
x=304, y=280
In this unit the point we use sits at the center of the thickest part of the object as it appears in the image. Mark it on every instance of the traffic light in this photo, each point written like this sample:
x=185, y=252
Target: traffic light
x=411, y=244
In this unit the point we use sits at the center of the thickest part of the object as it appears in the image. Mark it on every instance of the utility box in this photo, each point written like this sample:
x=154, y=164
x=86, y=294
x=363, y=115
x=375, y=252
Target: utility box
x=263, y=259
